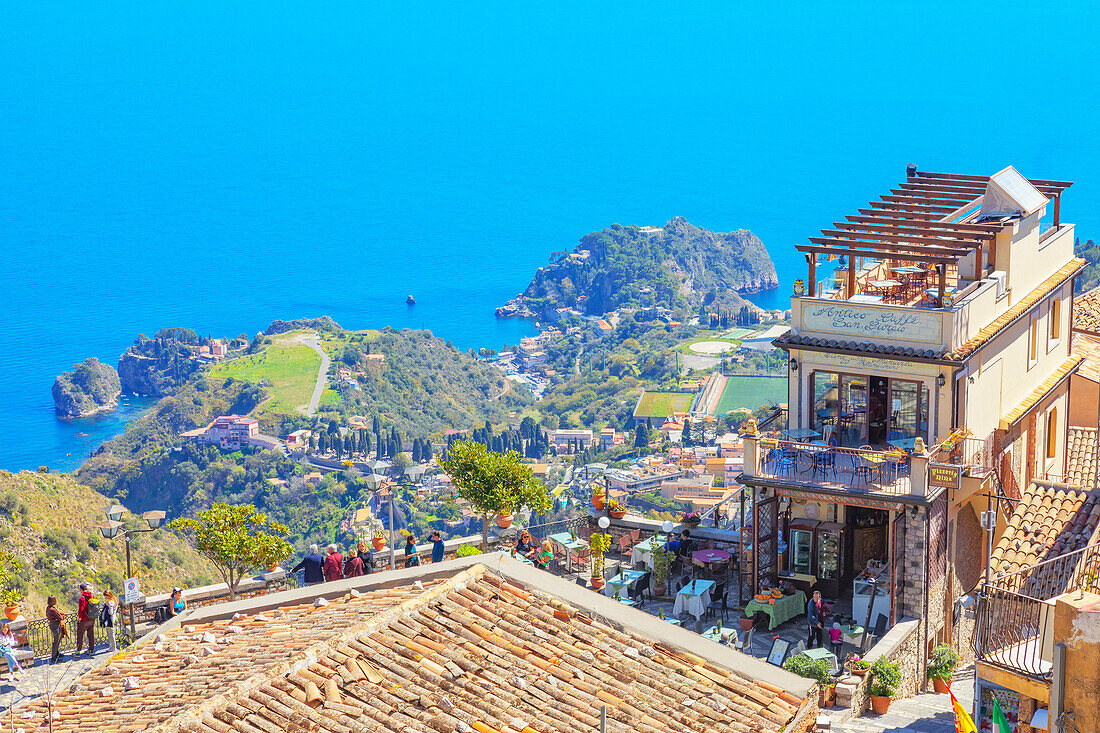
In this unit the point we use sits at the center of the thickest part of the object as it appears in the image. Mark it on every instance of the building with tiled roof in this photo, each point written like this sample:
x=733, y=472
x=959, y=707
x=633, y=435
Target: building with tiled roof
x=453, y=647
x=1081, y=461
x=1051, y=520
x=1086, y=312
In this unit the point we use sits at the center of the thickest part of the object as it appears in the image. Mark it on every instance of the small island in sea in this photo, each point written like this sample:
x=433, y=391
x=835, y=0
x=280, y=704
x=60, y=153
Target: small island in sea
x=90, y=388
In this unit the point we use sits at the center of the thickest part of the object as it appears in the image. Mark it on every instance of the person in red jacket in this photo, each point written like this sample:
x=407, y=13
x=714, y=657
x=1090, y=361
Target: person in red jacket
x=334, y=564
x=85, y=624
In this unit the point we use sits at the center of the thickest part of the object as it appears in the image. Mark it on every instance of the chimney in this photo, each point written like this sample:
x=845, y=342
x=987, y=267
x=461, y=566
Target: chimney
x=910, y=171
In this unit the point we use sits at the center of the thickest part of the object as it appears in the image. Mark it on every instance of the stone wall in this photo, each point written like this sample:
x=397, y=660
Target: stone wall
x=901, y=644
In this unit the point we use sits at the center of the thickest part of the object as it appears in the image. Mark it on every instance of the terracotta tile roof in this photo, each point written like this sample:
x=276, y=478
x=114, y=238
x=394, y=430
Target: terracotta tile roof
x=1055, y=378
x=471, y=652
x=1019, y=308
x=1081, y=456
x=790, y=338
x=1086, y=311
x=1089, y=348
x=1049, y=521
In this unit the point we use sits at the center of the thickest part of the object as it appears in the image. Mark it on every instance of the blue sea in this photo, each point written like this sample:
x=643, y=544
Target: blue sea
x=220, y=165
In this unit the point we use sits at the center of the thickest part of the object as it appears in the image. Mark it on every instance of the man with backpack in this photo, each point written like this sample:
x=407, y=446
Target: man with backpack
x=85, y=620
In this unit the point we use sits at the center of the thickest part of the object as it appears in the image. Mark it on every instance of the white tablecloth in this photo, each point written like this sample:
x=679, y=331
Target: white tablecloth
x=693, y=598
x=642, y=552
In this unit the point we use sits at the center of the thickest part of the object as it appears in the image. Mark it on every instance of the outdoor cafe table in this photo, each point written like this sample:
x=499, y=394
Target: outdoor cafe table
x=693, y=598
x=622, y=583
x=708, y=556
x=783, y=610
x=566, y=540
x=822, y=653
x=865, y=298
x=907, y=270
x=643, y=551
x=801, y=434
x=906, y=444
x=852, y=634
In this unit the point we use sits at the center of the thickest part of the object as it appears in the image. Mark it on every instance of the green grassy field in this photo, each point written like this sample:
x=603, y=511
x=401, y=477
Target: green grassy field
x=290, y=369
x=663, y=404
x=751, y=392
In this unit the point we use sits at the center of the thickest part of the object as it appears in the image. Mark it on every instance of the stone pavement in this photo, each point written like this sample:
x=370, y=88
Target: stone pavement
x=42, y=676
x=925, y=713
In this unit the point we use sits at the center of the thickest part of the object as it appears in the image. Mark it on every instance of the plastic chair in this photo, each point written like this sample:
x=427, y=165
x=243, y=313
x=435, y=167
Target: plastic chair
x=894, y=435
x=625, y=545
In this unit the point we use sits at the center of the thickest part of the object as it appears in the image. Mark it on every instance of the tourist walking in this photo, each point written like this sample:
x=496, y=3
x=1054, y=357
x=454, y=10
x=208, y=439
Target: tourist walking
x=334, y=564
x=55, y=617
x=353, y=564
x=108, y=614
x=313, y=566
x=815, y=619
x=437, y=547
x=7, y=651
x=85, y=622
x=366, y=556
x=411, y=558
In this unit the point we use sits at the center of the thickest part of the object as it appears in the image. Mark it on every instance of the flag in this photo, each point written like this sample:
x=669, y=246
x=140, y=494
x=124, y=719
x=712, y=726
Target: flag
x=963, y=722
x=999, y=718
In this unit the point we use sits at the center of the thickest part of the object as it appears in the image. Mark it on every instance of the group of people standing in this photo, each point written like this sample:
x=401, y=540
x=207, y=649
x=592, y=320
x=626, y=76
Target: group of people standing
x=334, y=565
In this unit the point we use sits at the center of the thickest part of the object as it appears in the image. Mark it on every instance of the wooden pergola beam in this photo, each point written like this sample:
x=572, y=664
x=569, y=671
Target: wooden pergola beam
x=896, y=250
x=916, y=202
x=979, y=229
x=964, y=177
x=875, y=254
x=893, y=214
x=915, y=231
x=935, y=197
x=962, y=187
x=917, y=242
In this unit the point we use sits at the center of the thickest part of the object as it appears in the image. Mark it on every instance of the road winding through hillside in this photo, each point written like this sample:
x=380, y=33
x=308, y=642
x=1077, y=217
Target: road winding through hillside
x=314, y=342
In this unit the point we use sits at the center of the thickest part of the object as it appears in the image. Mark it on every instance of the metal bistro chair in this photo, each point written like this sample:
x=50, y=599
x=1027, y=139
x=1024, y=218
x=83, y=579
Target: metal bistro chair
x=783, y=460
x=825, y=460
x=719, y=605
x=864, y=468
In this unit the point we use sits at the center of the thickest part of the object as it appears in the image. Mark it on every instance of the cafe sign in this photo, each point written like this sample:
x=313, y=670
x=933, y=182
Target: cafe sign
x=944, y=476
x=894, y=324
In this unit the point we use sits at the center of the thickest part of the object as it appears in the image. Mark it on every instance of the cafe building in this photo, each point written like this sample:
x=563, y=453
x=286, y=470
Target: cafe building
x=929, y=377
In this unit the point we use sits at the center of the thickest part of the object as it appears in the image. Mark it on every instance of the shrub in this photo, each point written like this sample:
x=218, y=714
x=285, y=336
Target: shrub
x=803, y=666
x=887, y=678
x=149, y=562
x=943, y=661
x=467, y=551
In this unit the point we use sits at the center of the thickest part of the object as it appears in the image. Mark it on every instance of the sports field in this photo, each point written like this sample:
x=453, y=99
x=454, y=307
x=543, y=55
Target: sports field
x=663, y=404
x=751, y=392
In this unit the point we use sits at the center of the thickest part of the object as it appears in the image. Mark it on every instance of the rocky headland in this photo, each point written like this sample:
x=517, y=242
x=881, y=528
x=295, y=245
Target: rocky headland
x=90, y=388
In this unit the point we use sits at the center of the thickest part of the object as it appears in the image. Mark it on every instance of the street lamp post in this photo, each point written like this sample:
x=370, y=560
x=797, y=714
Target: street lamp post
x=114, y=527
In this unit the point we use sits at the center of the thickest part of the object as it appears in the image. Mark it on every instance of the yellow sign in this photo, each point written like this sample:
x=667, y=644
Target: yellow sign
x=944, y=475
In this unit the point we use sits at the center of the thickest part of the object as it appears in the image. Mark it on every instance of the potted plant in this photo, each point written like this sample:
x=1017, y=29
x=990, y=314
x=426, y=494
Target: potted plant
x=616, y=509
x=814, y=669
x=747, y=621
x=858, y=666
x=467, y=551
x=378, y=539
x=942, y=666
x=9, y=593
x=597, y=499
x=599, y=543
x=504, y=521
x=690, y=519
x=662, y=566
x=884, y=685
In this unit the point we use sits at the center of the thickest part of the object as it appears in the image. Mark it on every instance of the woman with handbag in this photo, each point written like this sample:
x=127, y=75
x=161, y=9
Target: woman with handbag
x=56, y=618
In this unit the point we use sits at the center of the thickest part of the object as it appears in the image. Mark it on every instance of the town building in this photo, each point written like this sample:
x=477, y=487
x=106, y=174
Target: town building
x=607, y=438
x=231, y=432
x=299, y=440
x=929, y=372
x=571, y=437
x=649, y=478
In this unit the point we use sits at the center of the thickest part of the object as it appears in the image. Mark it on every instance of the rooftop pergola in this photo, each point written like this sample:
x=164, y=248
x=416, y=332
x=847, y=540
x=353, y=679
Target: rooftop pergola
x=930, y=219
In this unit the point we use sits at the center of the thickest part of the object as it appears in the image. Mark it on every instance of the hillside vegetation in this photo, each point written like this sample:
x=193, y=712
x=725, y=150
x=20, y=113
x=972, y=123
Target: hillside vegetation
x=48, y=521
x=678, y=265
x=289, y=369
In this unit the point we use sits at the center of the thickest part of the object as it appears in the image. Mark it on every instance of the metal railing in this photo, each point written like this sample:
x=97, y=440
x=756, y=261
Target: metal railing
x=850, y=469
x=40, y=638
x=1015, y=617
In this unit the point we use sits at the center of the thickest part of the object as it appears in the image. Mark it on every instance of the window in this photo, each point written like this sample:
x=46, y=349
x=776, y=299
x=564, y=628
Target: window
x=1052, y=432
x=1055, y=319
x=1033, y=345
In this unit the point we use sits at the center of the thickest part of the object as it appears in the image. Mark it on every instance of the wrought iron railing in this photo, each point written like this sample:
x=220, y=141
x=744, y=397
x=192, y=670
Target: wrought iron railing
x=850, y=469
x=1016, y=618
x=39, y=638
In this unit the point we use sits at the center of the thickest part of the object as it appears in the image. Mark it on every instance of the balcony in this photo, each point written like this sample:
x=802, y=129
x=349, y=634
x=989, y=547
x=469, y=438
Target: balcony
x=1016, y=611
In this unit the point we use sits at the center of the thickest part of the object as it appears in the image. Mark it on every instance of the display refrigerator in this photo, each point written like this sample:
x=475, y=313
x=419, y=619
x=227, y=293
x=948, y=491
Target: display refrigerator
x=801, y=546
x=829, y=558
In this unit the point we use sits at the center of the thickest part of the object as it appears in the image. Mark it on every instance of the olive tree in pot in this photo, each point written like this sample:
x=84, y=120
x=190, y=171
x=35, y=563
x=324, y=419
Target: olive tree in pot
x=941, y=666
x=884, y=684
x=494, y=483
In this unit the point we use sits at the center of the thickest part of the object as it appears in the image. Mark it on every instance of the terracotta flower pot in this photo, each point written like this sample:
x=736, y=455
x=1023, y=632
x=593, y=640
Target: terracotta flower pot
x=691, y=525
x=746, y=623
x=940, y=685
x=379, y=543
x=12, y=611
x=272, y=567
x=597, y=582
x=597, y=501
x=826, y=696
x=504, y=521
x=881, y=705
x=617, y=515
x=859, y=672
x=660, y=590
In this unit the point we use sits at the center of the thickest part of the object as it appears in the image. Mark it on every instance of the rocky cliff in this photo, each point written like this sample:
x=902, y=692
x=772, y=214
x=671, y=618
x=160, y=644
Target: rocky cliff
x=158, y=366
x=89, y=388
